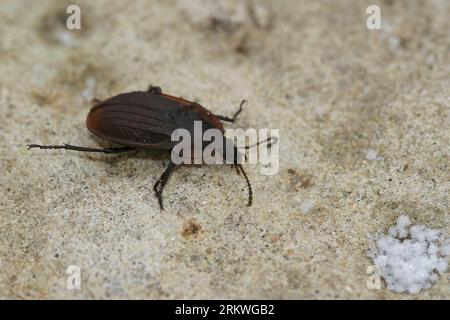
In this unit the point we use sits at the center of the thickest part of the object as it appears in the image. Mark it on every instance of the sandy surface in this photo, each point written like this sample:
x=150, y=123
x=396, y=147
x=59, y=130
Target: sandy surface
x=364, y=122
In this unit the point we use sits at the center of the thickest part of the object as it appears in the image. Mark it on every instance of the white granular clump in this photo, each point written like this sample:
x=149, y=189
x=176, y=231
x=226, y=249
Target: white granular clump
x=411, y=257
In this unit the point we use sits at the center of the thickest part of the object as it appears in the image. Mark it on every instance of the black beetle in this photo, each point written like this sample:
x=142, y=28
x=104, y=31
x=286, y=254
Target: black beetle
x=146, y=120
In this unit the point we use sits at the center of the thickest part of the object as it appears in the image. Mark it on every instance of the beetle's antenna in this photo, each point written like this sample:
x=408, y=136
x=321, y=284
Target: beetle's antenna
x=269, y=141
x=77, y=148
x=250, y=191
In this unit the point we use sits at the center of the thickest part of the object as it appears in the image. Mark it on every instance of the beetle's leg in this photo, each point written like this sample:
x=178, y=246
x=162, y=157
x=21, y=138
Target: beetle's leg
x=161, y=183
x=155, y=90
x=76, y=148
x=224, y=118
x=237, y=169
x=250, y=191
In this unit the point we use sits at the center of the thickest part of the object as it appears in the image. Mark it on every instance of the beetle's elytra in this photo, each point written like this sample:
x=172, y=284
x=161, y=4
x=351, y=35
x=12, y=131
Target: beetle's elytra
x=146, y=120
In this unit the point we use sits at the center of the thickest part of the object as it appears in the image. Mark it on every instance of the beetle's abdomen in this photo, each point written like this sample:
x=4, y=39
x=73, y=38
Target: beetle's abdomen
x=146, y=120
x=131, y=125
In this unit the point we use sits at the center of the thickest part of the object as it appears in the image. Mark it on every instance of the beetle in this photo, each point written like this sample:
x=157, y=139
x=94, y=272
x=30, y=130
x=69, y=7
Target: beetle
x=146, y=120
